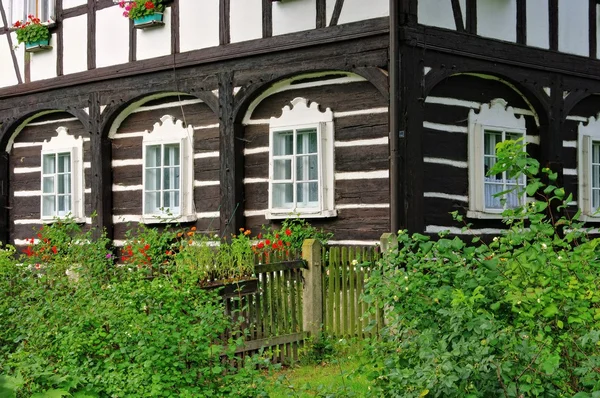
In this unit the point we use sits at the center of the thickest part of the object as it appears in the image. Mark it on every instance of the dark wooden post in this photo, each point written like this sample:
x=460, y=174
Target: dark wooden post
x=4, y=225
x=232, y=160
x=101, y=171
x=312, y=294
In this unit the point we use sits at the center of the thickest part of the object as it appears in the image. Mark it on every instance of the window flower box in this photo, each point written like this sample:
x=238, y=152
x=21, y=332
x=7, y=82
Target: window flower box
x=37, y=46
x=33, y=33
x=147, y=21
x=144, y=13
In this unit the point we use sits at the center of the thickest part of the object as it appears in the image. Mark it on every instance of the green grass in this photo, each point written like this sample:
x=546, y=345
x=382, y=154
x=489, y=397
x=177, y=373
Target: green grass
x=340, y=377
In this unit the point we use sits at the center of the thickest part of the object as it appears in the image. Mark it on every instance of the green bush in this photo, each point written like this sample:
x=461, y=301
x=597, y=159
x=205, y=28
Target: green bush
x=72, y=323
x=517, y=316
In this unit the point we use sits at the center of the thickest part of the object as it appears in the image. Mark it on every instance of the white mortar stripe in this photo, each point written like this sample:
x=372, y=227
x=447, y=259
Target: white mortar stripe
x=70, y=119
x=524, y=112
x=374, y=141
x=445, y=127
x=126, y=218
x=532, y=139
x=570, y=144
x=87, y=190
x=362, y=175
x=127, y=162
x=118, y=243
x=208, y=126
x=434, y=229
x=453, y=102
x=253, y=122
x=363, y=206
x=167, y=105
x=253, y=151
x=127, y=135
x=206, y=183
x=203, y=155
x=87, y=165
x=573, y=203
x=208, y=214
x=570, y=172
x=254, y=213
x=441, y=195
x=122, y=188
x=25, y=170
x=26, y=144
x=372, y=111
x=578, y=118
x=25, y=242
x=447, y=162
x=30, y=221
x=354, y=242
x=27, y=193
x=255, y=180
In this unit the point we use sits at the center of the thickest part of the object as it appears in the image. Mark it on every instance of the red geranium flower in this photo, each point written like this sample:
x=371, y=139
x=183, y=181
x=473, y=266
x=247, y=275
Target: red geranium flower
x=28, y=251
x=260, y=245
x=288, y=232
x=54, y=249
x=146, y=247
x=268, y=242
x=149, y=5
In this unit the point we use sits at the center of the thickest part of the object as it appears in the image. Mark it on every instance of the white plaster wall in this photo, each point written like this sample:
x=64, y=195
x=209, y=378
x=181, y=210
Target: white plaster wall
x=198, y=24
x=112, y=37
x=357, y=10
x=42, y=65
x=245, y=20
x=5, y=6
x=8, y=77
x=436, y=13
x=497, y=19
x=155, y=42
x=20, y=54
x=294, y=16
x=73, y=3
x=538, y=25
x=75, y=44
x=573, y=26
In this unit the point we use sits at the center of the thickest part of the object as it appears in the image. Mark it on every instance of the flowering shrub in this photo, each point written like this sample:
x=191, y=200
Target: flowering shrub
x=518, y=316
x=149, y=248
x=135, y=9
x=288, y=239
x=31, y=30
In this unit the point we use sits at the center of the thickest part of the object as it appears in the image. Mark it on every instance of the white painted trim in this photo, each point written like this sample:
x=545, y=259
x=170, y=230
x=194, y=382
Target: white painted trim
x=447, y=162
x=204, y=155
x=167, y=105
x=127, y=162
x=370, y=142
x=206, y=183
x=447, y=128
x=254, y=151
x=255, y=180
x=452, y=102
x=125, y=188
x=570, y=172
x=353, y=242
x=362, y=175
x=20, y=128
x=442, y=195
x=372, y=111
x=118, y=136
x=18, y=194
x=434, y=229
x=70, y=119
x=532, y=139
x=363, y=206
x=578, y=119
x=570, y=144
x=206, y=127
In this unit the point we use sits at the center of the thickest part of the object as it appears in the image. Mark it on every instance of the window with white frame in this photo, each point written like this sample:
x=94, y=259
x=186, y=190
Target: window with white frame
x=168, y=176
x=20, y=9
x=62, y=177
x=588, y=165
x=301, y=162
x=495, y=122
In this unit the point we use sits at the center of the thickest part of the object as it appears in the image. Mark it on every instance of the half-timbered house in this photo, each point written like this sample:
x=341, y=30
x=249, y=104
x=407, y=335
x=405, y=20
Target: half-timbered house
x=360, y=116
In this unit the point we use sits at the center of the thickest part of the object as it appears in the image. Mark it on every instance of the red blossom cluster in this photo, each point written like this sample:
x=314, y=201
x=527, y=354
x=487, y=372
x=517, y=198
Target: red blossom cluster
x=129, y=5
x=140, y=256
x=31, y=19
x=43, y=251
x=274, y=243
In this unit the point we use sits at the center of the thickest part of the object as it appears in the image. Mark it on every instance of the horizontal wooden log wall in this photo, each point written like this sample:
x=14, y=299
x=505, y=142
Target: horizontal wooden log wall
x=445, y=146
x=361, y=156
x=25, y=172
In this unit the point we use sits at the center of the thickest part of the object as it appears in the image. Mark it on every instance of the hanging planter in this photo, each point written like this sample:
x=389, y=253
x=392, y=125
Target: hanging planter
x=33, y=33
x=144, y=13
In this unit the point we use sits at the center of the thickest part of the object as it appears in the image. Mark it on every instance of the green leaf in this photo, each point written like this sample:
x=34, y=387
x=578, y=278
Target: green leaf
x=550, y=311
x=551, y=364
x=560, y=324
x=54, y=393
x=495, y=306
x=582, y=394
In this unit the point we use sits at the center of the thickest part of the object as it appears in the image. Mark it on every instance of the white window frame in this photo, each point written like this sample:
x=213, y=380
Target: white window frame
x=63, y=142
x=20, y=9
x=587, y=134
x=171, y=131
x=299, y=116
x=495, y=116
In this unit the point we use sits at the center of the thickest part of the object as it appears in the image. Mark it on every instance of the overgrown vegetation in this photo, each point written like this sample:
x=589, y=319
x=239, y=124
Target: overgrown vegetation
x=518, y=316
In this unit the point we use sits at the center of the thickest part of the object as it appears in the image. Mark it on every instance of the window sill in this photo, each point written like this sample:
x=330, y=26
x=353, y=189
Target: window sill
x=588, y=218
x=51, y=25
x=77, y=220
x=480, y=215
x=277, y=215
x=157, y=219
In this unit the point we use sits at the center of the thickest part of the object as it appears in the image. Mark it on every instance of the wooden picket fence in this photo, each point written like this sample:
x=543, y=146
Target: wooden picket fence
x=345, y=271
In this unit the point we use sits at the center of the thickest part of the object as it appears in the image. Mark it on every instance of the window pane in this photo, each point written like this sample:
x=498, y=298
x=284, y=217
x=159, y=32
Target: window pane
x=171, y=201
x=64, y=184
x=490, y=190
x=513, y=199
x=152, y=202
x=48, y=164
x=307, y=168
x=171, y=155
x=48, y=185
x=64, y=162
x=595, y=199
x=152, y=155
x=171, y=178
x=64, y=204
x=307, y=141
x=282, y=169
x=283, y=196
x=491, y=138
x=17, y=11
x=488, y=163
x=307, y=194
x=152, y=179
x=48, y=206
x=283, y=143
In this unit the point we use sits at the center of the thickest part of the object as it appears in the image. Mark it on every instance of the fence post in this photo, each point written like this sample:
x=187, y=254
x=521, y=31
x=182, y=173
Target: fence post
x=312, y=294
